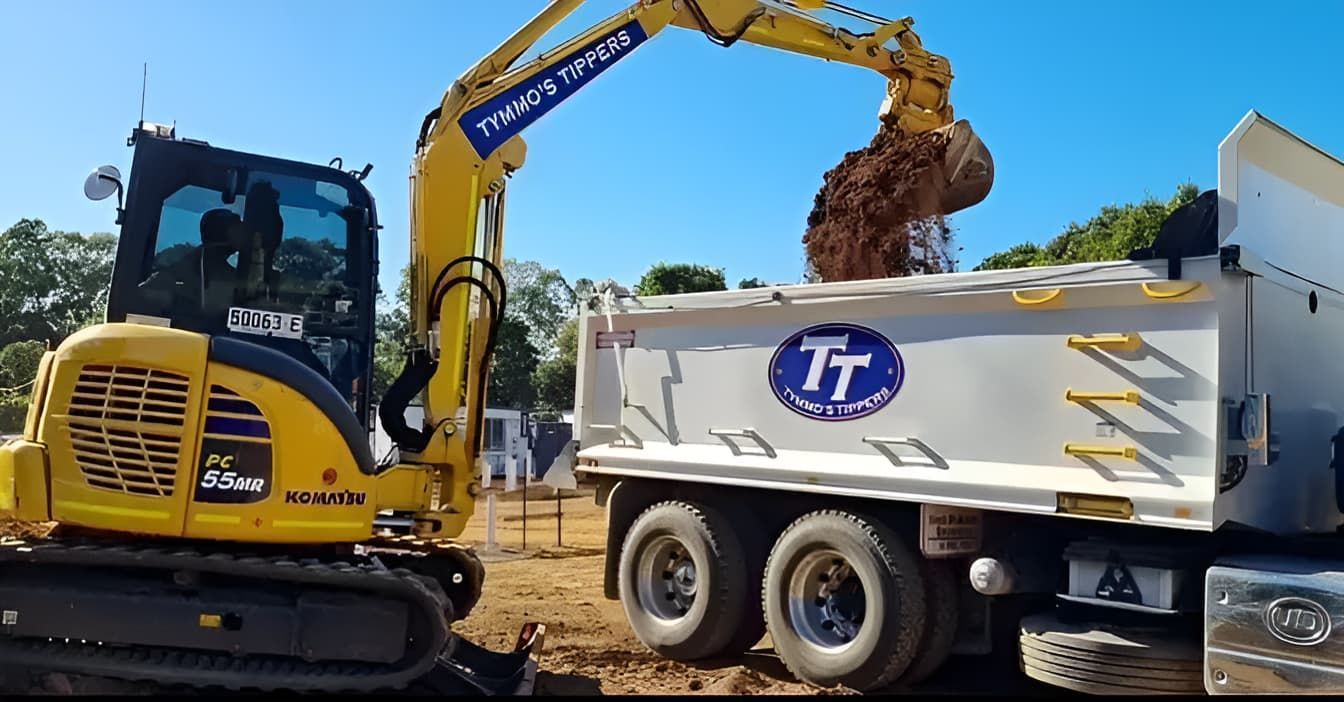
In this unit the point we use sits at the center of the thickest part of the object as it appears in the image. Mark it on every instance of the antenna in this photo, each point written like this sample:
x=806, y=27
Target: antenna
x=144, y=83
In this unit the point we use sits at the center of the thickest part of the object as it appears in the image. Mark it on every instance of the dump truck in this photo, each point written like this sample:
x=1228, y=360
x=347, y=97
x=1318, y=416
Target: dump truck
x=1132, y=465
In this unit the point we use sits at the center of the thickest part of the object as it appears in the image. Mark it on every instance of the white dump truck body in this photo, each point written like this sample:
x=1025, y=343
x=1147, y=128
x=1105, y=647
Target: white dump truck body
x=1095, y=391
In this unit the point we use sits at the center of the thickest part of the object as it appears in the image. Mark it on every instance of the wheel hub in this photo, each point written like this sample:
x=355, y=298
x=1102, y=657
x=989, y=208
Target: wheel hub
x=667, y=579
x=826, y=600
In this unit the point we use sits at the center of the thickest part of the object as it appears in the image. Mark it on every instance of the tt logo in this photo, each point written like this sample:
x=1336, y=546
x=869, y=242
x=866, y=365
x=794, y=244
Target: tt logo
x=1297, y=620
x=827, y=352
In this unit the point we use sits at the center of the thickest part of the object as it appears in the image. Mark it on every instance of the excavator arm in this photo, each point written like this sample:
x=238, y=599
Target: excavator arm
x=470, y=143
x=918, y=81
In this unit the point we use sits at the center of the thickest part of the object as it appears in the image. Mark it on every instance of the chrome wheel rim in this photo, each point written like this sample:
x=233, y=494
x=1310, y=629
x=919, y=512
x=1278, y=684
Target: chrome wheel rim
x=667, y=579
x=826, y=601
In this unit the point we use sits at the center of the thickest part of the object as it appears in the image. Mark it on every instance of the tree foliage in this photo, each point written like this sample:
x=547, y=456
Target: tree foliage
x=554, y=377
x=584, y=292
x=540, y=298
x=1110, y=235
x=676, y=278
x=18, y=369
x=511, y=370
x=52, y=283
x=748, y=283
x=309, y=259
x=18, y=363
x=392, y=331
x=515, y=356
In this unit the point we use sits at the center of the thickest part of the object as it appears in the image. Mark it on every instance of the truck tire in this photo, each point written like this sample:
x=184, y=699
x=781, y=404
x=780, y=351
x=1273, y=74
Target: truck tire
x=834, y=633
x=751, y=618
x=681, y=580
x=940, y=621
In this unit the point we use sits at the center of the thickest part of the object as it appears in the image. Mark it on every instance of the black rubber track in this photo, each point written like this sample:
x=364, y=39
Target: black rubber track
x=206, y=669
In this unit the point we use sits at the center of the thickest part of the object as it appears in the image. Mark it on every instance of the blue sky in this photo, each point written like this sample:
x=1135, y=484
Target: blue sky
x=685, y=151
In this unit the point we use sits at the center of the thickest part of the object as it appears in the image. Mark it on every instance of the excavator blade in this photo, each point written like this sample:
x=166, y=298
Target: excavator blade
x=968, y=169
x=473, y=670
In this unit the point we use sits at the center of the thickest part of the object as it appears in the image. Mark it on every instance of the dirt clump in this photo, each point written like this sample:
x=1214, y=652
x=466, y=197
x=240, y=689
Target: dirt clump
x=877, y=213
x=25, y=530
x=739, y=682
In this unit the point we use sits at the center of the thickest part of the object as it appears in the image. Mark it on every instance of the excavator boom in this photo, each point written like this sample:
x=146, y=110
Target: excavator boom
x=471, y=142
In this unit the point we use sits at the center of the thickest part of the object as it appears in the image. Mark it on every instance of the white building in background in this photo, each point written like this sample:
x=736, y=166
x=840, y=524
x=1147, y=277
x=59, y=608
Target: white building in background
x=503, y=438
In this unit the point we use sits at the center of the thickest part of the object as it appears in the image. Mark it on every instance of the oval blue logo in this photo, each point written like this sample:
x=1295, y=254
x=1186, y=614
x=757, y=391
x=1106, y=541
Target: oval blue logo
x=836, y=371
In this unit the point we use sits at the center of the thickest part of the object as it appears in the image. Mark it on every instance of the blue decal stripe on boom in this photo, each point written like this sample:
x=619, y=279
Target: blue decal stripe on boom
x=497, y=120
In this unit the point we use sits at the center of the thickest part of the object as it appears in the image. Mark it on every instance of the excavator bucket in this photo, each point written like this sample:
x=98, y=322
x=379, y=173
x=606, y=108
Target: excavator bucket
x=968, y=169
x=476, y=671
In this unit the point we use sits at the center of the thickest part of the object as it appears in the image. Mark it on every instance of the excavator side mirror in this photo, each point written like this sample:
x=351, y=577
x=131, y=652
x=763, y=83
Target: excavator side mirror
x=102, y=183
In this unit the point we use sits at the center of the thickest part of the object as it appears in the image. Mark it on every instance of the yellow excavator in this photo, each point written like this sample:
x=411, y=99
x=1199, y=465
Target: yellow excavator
x=204, y=455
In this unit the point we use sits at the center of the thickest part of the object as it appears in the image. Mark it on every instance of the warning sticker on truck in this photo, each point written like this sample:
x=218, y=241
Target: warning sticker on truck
x=609, y=339
x=948, y=531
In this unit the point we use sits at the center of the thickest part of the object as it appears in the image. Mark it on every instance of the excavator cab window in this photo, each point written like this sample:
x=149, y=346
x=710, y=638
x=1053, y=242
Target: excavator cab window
x=271, y=252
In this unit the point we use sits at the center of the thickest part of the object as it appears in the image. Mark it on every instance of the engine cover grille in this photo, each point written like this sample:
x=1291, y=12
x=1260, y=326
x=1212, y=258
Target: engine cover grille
x=126, y=426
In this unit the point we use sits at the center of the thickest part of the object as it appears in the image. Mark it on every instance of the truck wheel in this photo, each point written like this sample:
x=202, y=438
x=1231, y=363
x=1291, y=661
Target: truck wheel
x=751, y=618
x=681, y=580
x=844, y=601
x=940, y=621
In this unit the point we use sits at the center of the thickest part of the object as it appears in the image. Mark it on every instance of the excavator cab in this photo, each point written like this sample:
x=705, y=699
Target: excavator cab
x=270, y=252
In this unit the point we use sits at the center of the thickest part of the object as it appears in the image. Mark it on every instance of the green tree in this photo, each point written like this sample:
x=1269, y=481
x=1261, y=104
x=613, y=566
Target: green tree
x=554, y=377
x=52, y=283
x=1021, y=256
x=584, y=289
x=13, y=411
x=392, y=331
x=18, y=369
x=675, y=278
x=1110, y=235
x=18, y=363
x=541, y=298
x=748, y=283
x=511, y=369
x=309, y=260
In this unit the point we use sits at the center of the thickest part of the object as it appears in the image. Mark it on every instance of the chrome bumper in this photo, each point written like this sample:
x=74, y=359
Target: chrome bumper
x=1274, y=625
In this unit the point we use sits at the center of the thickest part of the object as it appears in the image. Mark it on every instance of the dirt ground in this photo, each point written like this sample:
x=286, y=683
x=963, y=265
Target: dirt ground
x=589, y=647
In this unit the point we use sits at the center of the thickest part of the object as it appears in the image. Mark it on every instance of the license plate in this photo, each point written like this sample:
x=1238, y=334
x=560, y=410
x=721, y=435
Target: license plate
x=948, y=531
x=265, y=323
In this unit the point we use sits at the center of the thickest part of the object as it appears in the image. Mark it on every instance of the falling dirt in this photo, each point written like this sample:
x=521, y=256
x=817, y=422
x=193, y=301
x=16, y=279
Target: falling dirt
x=876, y=215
